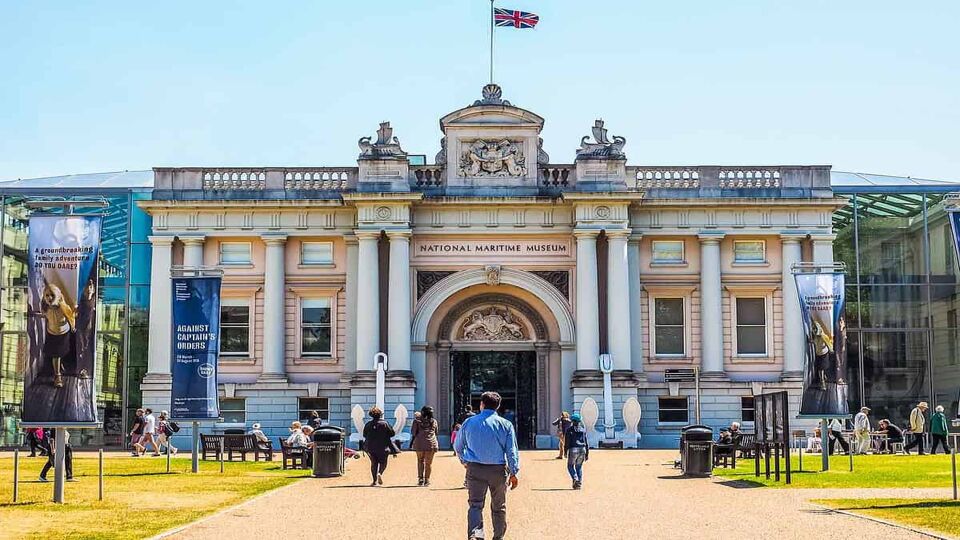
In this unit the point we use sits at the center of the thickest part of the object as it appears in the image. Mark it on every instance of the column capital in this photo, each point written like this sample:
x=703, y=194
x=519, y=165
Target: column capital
x=274, y=239
x=193, y=240
x=635, y=237
x=586, y=234
x=824, y=237
x=706, y=237
x=350, y=239
x=367, y=234
x=161, y=240
x=618, y=233
x=399, y=234
x=792, y=238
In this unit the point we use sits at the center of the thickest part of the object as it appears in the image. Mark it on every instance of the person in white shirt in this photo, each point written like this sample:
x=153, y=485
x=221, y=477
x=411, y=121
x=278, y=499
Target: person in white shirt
x=836, y=435
x=861, y=431
x=150, y=432
x=813, y=443
x=263, y=442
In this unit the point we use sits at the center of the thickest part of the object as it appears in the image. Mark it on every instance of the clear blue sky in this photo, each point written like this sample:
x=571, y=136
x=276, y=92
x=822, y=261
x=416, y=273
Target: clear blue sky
x=869, y=86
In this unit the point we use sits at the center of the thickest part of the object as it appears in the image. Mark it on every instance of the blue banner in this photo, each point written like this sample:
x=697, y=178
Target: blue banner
x=195, y=348
x=58, y=382
x=822, y=300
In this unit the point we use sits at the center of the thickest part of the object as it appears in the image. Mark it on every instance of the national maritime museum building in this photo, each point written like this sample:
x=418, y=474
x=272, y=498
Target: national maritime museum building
x=497, y=268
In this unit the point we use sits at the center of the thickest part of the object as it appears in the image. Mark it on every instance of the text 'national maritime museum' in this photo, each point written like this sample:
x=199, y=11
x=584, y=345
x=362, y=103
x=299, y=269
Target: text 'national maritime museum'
x=495, y=269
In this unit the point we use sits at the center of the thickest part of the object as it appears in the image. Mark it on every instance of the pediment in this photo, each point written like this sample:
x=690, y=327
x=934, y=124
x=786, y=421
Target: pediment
x=491, y=115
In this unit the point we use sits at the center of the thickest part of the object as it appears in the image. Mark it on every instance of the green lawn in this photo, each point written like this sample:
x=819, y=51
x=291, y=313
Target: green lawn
x=869, y=472
x=140, y=498
x=937, y=515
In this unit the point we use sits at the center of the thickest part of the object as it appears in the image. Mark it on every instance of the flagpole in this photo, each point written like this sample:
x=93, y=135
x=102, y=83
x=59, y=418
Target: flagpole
x=491, y=41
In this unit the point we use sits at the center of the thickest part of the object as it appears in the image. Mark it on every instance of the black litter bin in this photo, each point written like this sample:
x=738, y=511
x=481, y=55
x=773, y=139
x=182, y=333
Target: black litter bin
x=696, y=450
x=328, y=442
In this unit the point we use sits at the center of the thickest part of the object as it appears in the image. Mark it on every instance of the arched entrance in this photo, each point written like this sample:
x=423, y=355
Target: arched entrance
x=496, y=343
x=463, y=340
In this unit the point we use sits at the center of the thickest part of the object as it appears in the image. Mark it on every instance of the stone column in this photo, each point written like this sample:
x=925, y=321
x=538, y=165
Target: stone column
x=351, y=346
x=636, y=322
x=618, y=299
x=398, y=323
x=368, y=299
x=161, y=303
x=192, y=250
x=588, y=311
x=711, y=309
x=274, y=329
x=793, y=338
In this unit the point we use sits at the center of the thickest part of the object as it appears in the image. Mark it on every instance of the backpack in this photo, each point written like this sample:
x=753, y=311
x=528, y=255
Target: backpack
x=172, y=427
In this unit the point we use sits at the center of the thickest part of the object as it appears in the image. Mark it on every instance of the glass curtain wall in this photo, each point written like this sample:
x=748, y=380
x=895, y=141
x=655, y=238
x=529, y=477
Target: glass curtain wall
x=121, y=326
x=902, y=302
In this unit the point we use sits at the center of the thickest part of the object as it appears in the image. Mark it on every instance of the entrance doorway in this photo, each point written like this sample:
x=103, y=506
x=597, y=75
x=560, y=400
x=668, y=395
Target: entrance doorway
x=512, y=374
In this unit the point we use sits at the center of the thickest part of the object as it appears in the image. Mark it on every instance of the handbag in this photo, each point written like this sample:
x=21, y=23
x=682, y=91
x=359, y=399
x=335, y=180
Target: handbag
x=394, y=448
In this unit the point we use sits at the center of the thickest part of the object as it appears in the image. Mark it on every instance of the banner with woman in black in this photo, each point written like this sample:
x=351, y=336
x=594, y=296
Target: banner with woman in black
x=825, y=387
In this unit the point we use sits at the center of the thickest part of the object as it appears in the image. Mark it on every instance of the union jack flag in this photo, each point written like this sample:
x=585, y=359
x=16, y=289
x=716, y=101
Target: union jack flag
x=516, y=19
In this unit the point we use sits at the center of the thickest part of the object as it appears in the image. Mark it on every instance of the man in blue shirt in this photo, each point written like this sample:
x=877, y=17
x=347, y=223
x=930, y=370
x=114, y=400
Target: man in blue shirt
x=487, y=447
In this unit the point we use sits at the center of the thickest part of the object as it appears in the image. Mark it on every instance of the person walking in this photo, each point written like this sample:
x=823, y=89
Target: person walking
x=562, y=423
x=836, y=436
x=578, y=450
x=487, y=447
x=165, y=430
x=467, y=413
x=861, y=431
x=67, y=456
x=917, y=422
x=938, y=431
x=150, y=432
x=378, y=444
x=136, y=433
x=424, y=442
x=35, y=439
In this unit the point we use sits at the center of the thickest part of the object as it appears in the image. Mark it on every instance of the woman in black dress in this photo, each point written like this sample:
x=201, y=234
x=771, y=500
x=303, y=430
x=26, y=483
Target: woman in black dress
x=377, y=442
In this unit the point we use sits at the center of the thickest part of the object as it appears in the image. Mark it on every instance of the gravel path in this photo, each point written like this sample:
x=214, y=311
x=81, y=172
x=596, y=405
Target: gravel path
x=625, y=495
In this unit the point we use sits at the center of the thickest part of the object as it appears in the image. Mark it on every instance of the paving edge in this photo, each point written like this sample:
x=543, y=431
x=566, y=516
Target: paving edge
x=223, y=511
x=894, y=524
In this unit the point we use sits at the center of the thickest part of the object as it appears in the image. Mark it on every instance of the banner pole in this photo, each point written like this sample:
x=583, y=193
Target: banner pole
x=16, y=476
x=222, y=444
x=195, y=458
x=168, y=455
x=59, y=460
x=953, y=464
x=100, y=478
x=825, y=445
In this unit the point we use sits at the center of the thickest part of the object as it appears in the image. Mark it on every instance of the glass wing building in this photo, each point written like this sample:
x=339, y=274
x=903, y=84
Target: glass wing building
x=892, y=234
x=124, y=294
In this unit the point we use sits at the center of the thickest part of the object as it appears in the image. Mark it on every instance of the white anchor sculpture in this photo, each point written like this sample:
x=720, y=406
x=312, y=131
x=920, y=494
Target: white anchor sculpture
x=590, y=413
x=400, y=414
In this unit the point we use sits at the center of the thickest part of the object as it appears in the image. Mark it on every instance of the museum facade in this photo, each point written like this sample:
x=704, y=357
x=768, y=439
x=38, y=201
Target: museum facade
x=494, y=269
x=497, y=269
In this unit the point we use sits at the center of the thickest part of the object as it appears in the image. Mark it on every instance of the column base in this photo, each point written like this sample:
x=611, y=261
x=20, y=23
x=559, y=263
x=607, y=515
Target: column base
x=272, y=378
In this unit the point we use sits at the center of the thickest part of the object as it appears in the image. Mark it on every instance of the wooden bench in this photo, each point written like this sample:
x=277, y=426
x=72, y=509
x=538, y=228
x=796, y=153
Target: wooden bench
x=234, y=446
x=296, y=457
x=747, y=445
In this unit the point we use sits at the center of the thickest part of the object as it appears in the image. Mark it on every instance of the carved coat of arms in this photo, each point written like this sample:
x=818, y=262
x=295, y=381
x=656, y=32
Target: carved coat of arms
x=492, y=324
x=492, y=158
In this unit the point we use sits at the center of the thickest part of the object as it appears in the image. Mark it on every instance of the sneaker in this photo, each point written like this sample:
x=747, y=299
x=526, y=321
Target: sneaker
x=71, y=479
x=43, y=479
x=420, y=482
x=174, y=450
x=577, y=484
x=58, y=381
x=426, y=483
x=380, y=479
x=373, y=484
x=83, y=374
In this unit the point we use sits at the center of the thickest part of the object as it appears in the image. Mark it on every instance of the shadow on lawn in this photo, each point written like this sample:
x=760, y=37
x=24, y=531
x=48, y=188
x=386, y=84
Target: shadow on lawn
x=915, y=505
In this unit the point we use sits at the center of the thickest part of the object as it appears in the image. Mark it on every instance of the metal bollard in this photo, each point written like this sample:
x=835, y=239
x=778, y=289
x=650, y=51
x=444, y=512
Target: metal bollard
x=953, y=465
x=16, y=477
x=100, y=476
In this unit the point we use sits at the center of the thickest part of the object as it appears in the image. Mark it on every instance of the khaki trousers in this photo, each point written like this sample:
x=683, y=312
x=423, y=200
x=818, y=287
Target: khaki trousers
x=425, y=464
